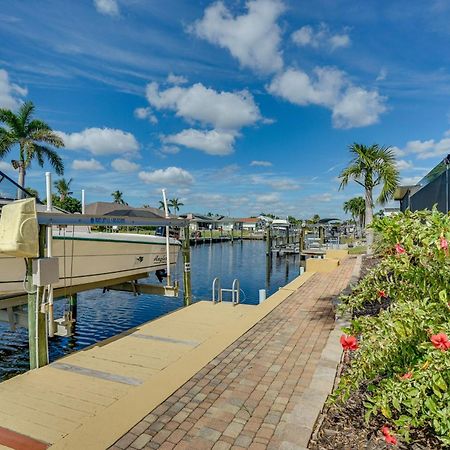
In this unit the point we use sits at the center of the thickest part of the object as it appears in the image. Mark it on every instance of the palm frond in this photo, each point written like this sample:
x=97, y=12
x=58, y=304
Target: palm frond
x=37, y=125
x=10, y=119
x=48, y=136
x=53, y=158
x=25, y=113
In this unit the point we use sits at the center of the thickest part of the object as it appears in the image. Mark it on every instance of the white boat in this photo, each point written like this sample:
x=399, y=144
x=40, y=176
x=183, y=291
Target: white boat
x=92, y=257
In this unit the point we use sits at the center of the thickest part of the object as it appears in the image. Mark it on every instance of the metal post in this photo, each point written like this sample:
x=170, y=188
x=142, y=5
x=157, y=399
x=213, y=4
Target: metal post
x=269, y=242
x=187, y=268
x=447, y=161
x=73, y=306
x=37, y=330
x=321, y=230
x=51, y=318
x=166, y=210
x=83, y=202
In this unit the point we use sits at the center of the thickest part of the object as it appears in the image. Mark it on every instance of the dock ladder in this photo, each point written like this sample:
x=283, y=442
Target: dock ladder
x=217, y=291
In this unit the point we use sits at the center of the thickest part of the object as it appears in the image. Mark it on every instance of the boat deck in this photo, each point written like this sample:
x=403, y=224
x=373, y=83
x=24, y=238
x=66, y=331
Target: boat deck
x=95, y=395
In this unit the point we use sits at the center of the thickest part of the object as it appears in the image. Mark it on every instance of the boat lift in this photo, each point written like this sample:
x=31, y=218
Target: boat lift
x=37, y=318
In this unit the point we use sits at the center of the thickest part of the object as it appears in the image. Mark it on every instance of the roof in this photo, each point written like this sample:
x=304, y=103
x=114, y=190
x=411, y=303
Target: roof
x=116, y=209
x=249, y=220
x=401, y=191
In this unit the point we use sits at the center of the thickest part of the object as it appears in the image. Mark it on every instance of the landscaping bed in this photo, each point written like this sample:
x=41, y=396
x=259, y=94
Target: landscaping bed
x=393, y=387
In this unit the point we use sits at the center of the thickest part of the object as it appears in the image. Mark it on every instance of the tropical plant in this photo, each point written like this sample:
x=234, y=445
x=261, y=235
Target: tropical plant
x=63, y=187
x=370, y=167
x=30, y=135
x=175, y=204
x=161, y=206
x=118, y=197
x=69, y=204
x=401, y=359
x=33, y=192
x=357, y=208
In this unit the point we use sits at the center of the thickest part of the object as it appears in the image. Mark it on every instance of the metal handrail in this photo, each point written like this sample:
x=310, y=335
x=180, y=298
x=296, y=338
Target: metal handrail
x=216, y=287
x=235, y=291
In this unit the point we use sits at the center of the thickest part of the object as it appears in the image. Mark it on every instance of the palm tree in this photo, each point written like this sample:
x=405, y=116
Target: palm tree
x=175, y=204
x=161, y=206
x=30, y=135
x=63, y=188
x=357, y=208
x=370, y=167
x=118, y=198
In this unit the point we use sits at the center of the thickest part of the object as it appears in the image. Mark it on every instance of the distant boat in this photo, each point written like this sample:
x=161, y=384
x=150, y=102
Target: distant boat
x=86, y=257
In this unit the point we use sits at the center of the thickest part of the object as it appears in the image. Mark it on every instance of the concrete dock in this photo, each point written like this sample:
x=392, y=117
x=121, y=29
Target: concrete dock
x=162, y=384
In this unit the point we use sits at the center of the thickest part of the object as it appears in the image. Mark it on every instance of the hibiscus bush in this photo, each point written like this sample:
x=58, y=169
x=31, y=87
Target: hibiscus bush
x=402, y=355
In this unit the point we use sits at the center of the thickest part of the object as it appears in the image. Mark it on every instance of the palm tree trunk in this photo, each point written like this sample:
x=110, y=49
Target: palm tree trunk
x=21, y=180
x=368, y=221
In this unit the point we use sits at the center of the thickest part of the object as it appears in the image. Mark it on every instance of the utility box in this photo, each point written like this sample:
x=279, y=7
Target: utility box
x=19, y=230
x=45, y=271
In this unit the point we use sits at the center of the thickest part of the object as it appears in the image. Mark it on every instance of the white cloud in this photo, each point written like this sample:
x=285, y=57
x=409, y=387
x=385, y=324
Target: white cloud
x=320, y=36
x=123, y=165
x=261, y=163
x=171, y=175
x=277, y=183
x=5, y=167
x=351, y=106
x=101, y=141
x=213, y=142
x=426, y=149
x=402, y=164
x=170, y=149
x=176, y=79
x=382, y=75
x=146, y=113
x=87, y=164
x=10, y=94
x=230, y=110
x=252, y=38
x=268, y=198
x=410, y=181
x=107, y=7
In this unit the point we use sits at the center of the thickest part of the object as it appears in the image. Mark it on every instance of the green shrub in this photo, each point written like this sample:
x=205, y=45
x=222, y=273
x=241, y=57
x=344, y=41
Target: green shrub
x=411, y=281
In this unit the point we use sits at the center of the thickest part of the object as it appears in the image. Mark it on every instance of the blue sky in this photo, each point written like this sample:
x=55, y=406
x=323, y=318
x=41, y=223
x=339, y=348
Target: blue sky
x=235, y=107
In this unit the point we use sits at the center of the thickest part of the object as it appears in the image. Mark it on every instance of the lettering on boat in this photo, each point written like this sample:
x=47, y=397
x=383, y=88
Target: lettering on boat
x=160, y=259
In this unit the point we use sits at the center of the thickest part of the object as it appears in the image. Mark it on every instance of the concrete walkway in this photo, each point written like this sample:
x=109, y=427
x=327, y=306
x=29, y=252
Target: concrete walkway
x=254, y=394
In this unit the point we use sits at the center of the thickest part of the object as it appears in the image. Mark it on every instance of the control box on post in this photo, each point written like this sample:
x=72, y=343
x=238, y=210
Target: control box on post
x=45, y=271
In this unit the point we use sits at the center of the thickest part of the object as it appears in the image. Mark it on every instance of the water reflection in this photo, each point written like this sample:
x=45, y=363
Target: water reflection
x=104, y=315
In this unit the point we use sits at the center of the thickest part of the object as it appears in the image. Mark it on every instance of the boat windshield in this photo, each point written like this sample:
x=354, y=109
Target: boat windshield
x=10, y=190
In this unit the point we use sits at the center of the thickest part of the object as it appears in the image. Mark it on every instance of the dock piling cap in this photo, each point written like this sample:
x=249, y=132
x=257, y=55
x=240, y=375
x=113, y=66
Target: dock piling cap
x=19, y=230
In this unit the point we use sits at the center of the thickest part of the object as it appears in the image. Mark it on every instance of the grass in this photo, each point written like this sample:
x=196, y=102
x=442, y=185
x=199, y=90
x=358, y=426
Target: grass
x=360, y=250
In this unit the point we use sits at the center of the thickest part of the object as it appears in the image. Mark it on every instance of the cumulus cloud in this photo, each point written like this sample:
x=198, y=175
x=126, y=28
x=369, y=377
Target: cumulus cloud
x=228, y=110
x=212, y=142
x=176, y=79
x=252, y=38
x=320, y=36
x=107, y=7
x=351, y=106
x=124, y=166
x=146, y=113
x=101, y=141
x=171, y=175
x=403, y=164
x=87, y=164
x=261, y=163
x=170, y=149
x=430, y=148
x=277, y=183
x=267, y=198
x=10, y=94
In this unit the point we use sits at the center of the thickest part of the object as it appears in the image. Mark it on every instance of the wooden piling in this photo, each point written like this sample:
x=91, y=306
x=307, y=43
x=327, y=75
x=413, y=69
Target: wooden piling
x=37, y=330
x=321, y=235
x=187, y=268
x=268, y=242
x=73, y=306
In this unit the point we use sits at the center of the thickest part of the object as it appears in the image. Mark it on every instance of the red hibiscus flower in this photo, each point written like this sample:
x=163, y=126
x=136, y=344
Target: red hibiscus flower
x=349, y=342
x=382, y=294
x=440, y=341
x=388, y=437
x=443, y=243
x=399, y=249
x=407, y=376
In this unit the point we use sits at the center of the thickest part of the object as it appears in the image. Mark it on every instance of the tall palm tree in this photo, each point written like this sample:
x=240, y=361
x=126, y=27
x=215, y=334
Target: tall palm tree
x=63, y=187
x=175, y=204
x=370, y=167
x=357, y=208
x=30, y=135
x=161, y=205
x=118, y=197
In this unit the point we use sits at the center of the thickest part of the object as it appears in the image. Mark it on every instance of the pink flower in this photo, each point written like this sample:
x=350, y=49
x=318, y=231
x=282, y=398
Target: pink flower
x=406, y=376
x=440, y=341
x=399, y=249
x=388, y=437
x=349, y=342
x=382, y=294
x=443, y=243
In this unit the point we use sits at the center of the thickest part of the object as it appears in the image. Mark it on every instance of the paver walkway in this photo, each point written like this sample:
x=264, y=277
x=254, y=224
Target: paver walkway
x=243, y=398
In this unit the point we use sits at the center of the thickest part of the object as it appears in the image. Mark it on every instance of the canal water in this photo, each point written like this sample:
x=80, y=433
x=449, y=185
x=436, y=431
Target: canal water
x=102, y=315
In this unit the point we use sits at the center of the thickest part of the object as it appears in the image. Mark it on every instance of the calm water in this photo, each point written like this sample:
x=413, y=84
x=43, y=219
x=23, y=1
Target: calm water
x=104, y=315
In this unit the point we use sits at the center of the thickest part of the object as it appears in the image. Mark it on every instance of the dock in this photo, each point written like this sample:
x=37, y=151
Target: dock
x=202, y=375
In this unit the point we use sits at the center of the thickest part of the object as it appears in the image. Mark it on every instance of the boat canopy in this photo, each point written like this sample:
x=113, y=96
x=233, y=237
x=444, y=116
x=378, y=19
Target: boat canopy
x=9, y=190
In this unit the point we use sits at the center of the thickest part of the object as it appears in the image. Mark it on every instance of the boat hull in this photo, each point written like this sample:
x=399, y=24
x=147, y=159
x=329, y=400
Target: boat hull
x=86, y=258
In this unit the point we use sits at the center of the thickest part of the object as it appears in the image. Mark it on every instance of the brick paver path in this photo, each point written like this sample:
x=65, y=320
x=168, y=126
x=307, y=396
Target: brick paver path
x=242, y=398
